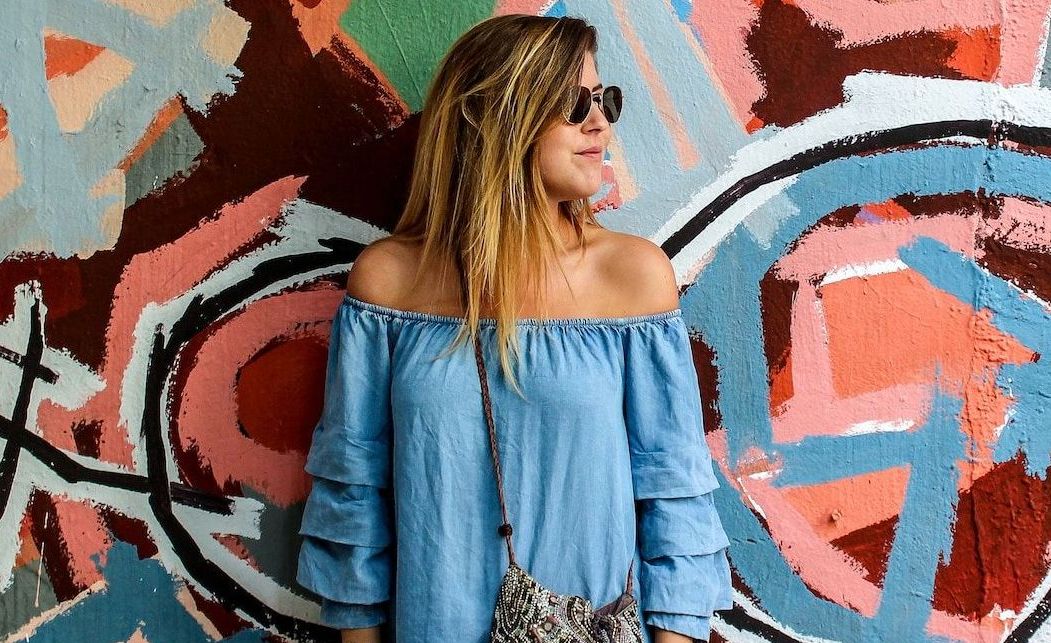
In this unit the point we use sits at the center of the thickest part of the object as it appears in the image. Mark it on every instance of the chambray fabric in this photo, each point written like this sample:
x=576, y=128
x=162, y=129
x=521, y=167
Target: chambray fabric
x=401, y=521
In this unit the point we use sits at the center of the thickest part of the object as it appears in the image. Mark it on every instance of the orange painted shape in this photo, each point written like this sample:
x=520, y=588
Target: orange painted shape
x=888, y=211
x=781, y=387
x=977, y=53
x=835, y=509
x=162, y=120
x=318, y=21
x=64, y=55
x=896, y=328
x=27, y=547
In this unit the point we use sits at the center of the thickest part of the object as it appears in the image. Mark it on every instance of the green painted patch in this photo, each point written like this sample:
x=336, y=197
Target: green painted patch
x=407, y=39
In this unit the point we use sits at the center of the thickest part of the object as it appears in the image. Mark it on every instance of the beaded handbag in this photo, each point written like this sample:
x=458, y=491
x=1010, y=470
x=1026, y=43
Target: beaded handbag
x=528, y=612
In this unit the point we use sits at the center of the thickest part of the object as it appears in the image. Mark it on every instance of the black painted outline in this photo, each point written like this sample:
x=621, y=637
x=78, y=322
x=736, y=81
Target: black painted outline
x=163, y=493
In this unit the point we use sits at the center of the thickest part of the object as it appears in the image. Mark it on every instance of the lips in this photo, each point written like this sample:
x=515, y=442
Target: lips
x=591, y=152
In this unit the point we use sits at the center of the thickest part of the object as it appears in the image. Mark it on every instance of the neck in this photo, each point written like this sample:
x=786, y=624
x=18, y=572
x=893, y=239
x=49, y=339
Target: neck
x=562, y=226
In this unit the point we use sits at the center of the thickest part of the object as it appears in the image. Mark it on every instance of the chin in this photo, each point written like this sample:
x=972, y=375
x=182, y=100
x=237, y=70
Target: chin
x=582, y=189
x=582, y=194
x=589, y=187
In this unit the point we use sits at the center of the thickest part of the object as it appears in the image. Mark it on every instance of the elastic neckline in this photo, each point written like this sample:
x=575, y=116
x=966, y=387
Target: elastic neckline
x=530, y=321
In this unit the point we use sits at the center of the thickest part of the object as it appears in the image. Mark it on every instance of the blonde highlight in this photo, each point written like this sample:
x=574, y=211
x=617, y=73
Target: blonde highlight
x=476, y=199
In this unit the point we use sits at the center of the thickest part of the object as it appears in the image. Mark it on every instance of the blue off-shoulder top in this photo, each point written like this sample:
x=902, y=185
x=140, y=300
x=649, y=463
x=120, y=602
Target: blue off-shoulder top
x=605, y=461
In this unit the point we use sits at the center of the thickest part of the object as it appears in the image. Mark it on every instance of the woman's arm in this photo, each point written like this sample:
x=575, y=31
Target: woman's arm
x=371, y=635
x=684, y=575
x=664, y=636
x=347, y=551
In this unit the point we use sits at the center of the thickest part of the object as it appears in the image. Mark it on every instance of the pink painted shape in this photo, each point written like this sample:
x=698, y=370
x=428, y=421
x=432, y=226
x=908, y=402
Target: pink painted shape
x=236, y=546
x=158, y=276
x=1022, y=224
x=723, y=27
x=208, y=418
x=1021, y=35
x=534, y=7
x=818, y=563
x=1020, y=23
x=827, y=570
x=612, y=199
x=862, y=21
x=826, y=247
x=83, y=535
x=838, y=415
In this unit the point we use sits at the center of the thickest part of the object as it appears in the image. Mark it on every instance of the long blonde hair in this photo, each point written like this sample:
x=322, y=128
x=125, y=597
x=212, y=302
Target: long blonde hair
x=476, y=198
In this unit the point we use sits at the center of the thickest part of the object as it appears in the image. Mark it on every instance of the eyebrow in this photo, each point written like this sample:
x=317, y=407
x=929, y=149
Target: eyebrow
x=596, y=87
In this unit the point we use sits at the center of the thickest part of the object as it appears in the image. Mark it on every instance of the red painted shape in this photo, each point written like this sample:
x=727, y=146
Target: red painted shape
x=1003, y=528
x=280, y=391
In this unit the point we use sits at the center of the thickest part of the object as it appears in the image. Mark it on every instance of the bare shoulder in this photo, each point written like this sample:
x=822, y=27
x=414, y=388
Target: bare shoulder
x=379, y=271
x=641, y=273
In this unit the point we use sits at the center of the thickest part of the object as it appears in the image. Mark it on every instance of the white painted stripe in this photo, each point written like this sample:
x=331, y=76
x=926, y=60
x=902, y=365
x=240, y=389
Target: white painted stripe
x=874, y=101
x=857, y=271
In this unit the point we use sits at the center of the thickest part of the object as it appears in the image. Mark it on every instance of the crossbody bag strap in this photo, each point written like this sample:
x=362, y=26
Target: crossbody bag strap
x=504, y=529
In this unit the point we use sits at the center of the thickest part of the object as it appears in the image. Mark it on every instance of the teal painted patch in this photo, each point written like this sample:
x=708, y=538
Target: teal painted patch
x=275, y=554
x=25, y=598
x=407, y=40
x=139, y=596
x=171, y=155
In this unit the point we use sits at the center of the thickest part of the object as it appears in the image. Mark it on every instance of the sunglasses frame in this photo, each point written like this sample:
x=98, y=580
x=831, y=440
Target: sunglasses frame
x=610, y=100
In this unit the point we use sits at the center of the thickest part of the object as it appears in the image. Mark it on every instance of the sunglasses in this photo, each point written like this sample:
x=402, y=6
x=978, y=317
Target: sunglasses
x=609, y=100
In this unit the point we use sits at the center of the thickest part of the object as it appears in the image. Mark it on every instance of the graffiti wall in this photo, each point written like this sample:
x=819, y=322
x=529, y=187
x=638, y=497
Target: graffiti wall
x=854, y=195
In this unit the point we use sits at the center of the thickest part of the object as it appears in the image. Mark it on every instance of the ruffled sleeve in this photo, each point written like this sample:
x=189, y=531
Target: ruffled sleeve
x=684, y=574
x=346, y=556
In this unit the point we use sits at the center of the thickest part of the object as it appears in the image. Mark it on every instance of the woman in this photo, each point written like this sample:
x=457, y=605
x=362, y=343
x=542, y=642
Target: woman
x=597, y=415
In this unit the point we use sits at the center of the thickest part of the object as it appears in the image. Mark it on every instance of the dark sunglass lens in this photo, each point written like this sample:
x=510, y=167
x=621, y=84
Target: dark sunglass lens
x=581, y=107
x=611, y=103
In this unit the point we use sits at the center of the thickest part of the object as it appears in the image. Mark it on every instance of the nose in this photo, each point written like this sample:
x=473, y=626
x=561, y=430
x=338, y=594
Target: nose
x=596, y=120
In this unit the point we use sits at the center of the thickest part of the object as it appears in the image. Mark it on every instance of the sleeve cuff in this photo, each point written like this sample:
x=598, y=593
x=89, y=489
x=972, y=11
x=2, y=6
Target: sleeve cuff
x=345, y=573
x=351, y=616
x=688, y=585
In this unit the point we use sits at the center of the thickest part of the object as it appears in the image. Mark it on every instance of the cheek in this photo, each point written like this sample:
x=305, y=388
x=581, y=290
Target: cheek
x=565, y=175
x=556, y=158
x=554, y=151
x=554, y=164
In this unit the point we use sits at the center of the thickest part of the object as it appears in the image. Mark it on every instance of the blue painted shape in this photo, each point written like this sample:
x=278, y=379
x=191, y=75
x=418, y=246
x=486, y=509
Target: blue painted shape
x=647, y=143
x=1013, y=313
x=723, y=304
x=557, y=9
x=54, y=203
x=698, y=102
x=923, y=538
x=139, y=595
x=820, y=459
x=683, y=8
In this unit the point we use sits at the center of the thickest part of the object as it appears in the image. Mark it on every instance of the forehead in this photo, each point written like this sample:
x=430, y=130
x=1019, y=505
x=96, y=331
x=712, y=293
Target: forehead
x=588, y=71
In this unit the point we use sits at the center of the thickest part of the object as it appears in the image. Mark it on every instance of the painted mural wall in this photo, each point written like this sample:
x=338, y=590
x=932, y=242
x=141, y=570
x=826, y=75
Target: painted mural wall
x=854, y=194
